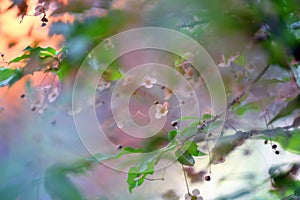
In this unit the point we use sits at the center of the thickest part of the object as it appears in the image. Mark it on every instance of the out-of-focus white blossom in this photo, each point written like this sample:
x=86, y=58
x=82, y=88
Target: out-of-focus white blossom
x=161, y=110
x=148, y=82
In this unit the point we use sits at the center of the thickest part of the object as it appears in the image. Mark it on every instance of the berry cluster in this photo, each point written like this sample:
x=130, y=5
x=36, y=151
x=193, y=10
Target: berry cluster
x=274, y=147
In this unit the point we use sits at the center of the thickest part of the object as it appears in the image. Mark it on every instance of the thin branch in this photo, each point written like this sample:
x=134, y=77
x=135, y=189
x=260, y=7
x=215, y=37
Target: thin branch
x=248, y=134
x=238, y=98
x=186, y=182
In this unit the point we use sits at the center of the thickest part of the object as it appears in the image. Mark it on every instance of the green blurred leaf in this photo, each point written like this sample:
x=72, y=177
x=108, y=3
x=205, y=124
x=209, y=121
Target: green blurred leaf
x=112, y=74
x=289, y=142
x=206, y=116
x=144, y=167
x=31, y=51
x=185, y=158
x=9, y=76
x=98, y=157
x=224, y=146
x=291, y=106
x=277, y=55
x=242, y=109
x=133, y=150
x=41, y=50
x=213, y=125
x=241, y=60
x=283, y=179
x=18, y=59
x=193, y=150
x=188, y=118
x=172, y=134
x=189, y=131
x=59, y=186
x=11, y=191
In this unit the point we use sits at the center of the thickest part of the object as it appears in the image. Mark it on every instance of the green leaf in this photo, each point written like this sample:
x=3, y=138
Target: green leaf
x=193, y=150
x=188, y=118
x=12, y=191
x=9, y=76
x=63, y=70
x=133, y=150
x=241, y=60
x=98, y=157
x=47, y=50
x=289, y=142
x=283, y=181
x=242, y=109
x=172, y=134
x=185, y=158
x=189, y=131
x=291, y=106
x=112, y=74
x=137, y=175
x=59, y=186
x=213, y=125
x=206, y=116
x=18, y=59
x=277, y=55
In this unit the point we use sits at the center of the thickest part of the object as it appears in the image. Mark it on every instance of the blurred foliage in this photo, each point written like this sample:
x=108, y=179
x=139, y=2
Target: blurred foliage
x=9, y=76
x=225, y=28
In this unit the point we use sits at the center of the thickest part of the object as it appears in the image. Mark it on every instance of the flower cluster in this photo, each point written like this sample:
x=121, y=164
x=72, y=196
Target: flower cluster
x=41, y=96
x=194, y=196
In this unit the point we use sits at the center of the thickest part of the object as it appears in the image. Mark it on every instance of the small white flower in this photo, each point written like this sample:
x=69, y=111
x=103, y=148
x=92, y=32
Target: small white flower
x=161, y=110
x=44, y=88
x=103, y=85
x=53, y=95
x=40, y=98
x=43, y=109
x=148, y=82
x=187, y=197
x=196, y=192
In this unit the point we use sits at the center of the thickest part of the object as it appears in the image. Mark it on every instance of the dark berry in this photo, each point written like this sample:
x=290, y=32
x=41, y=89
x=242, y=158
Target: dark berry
x=44, y=19
x=22, y=96
x=174, y=123
x=274, y=146
x=277, y=152
x=207, y=178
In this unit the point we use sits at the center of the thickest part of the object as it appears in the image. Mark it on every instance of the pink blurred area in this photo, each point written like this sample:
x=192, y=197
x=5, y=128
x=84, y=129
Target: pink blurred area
x=16, y=36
